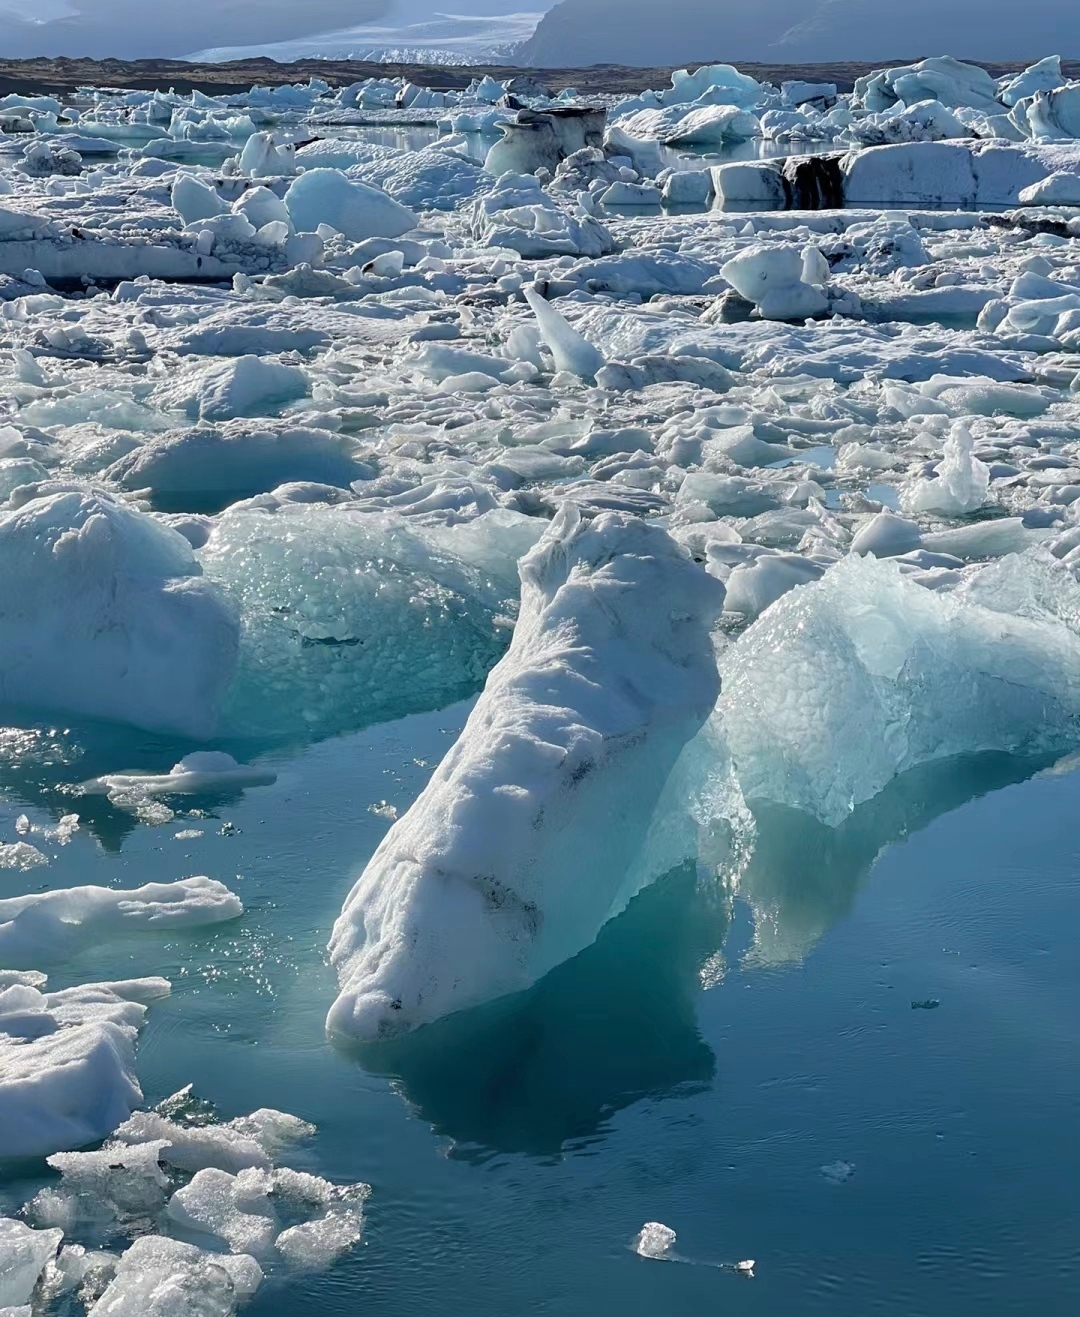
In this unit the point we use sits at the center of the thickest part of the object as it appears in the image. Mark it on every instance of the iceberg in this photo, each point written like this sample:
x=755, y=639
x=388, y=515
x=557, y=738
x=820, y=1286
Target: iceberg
x=927, y=675
x=498, y=872
x=350, y=615
x=106, y=612
x=327, y=196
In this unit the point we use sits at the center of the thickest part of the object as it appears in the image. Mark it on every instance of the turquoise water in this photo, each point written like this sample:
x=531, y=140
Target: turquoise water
x=515, y=1152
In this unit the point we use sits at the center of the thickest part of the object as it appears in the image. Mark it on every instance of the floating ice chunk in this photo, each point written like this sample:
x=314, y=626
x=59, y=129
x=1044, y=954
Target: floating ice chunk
x=353, y=615
x=198, y=772
x=159, y=1277
x=45, y=926
x=520, y=215
x=260, y=157
x=67, y=1058
x=886, y=535
x=654, y=1240
x=104, y=613
x=645, y=155
x=260, y=207
x=573, y=352
x=113, y=1183
x=926, y=675
x=247, y=1142
x=1060, y=189
x=234, y=1208
x=24, y=1255
x=714, y=125
x=753, y=586
x=961, y=483
x=215, y=466
x=327, y=196
x=497, y=873
x=688, y=187
x=631, y=194
x=21, y=855
x=838, y=1172
x=315, y=1245
x=772, y=277
x=194, y=200
x=246, y=386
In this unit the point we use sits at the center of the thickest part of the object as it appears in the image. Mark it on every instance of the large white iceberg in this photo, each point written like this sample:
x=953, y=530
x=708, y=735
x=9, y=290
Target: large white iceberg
x=499, y=871
x=327, y=196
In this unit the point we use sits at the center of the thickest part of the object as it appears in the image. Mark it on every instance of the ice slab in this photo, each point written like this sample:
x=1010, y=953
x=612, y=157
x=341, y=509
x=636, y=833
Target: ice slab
x=497, y=873
x=159, y=1277
x=105, y=613
x=47, y=926
x=67, y=1063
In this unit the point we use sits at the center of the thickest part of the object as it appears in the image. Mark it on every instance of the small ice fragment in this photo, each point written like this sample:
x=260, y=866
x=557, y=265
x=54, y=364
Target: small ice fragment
x=838, y=1172
x=21, y=855
x=23, y=1256
x=384, y=810
x=746, y=1267
x=314, y=1245
x=928, y=1004
x=654, y=1240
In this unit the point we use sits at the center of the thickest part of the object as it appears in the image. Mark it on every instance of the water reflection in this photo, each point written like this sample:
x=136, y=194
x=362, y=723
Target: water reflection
x=803, y=877
x=542, y=1072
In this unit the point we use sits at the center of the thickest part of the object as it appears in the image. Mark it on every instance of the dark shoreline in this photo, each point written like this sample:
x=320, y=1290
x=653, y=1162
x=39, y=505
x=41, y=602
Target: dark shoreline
x=62, y=76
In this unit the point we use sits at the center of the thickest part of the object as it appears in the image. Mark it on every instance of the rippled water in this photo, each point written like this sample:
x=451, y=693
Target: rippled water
x=514, y=1152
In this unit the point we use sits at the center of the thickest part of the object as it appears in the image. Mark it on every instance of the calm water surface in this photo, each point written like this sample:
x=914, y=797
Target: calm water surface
x=514, y=1152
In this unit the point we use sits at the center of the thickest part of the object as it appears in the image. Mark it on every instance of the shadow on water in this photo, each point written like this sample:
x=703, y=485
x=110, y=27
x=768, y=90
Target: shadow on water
x=544, y=1069
x=542, y=1072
